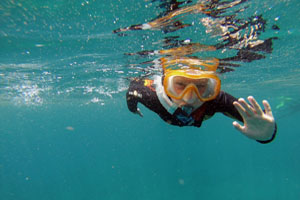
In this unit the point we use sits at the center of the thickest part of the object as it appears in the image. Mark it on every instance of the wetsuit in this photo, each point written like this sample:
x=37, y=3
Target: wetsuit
x=145, y=91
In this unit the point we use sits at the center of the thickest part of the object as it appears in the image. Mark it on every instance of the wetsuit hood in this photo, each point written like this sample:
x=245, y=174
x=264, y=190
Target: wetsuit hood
x=167, y=103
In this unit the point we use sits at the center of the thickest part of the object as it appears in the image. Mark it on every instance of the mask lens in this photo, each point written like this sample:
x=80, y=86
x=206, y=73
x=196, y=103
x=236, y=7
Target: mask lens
x=205, y=88
x=210, y=89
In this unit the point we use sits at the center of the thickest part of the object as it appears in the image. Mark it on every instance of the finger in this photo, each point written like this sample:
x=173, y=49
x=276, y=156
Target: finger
x=240, y=109
x=249, y=110
x=246, y=106
x=238, y=126
x=255, y=105
x=268, y=109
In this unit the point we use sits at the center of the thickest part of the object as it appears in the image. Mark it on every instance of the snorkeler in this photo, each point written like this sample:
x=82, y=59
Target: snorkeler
x=187, y=96
x=169, y=22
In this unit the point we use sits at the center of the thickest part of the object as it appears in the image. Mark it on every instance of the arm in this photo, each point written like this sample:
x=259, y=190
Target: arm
x=132, y=97
x=257, y=124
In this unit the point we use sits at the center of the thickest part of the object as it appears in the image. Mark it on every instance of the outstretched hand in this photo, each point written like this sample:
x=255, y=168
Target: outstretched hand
x=258, y=125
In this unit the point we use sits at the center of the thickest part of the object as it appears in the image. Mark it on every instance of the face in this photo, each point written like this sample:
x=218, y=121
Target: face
x=180, y=83
x=190, y=97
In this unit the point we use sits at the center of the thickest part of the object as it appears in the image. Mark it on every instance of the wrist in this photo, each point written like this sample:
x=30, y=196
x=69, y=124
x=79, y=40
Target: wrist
x=271, y=139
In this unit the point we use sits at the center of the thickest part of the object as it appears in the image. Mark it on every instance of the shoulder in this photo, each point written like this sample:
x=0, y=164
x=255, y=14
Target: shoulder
x=142, y=83
x=143, y=91
x=141, y=87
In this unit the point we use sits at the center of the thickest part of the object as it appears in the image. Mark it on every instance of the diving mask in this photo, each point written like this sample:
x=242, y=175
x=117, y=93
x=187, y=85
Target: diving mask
x=205, y=84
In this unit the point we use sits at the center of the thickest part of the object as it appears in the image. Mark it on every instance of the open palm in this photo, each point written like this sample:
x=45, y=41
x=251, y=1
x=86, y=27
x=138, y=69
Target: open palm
x=258, y=125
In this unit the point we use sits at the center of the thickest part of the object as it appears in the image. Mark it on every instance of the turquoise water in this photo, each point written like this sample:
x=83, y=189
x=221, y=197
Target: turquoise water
x=66, y=132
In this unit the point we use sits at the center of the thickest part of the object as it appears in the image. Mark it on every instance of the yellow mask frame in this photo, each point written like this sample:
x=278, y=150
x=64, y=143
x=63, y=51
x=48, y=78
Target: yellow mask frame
x=193, y=75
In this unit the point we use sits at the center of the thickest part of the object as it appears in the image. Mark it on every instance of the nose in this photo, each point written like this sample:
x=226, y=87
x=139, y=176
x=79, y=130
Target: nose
x=189, y=97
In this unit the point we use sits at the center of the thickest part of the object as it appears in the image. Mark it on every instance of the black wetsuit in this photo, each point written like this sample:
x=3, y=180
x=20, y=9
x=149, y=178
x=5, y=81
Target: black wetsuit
x=143, y=91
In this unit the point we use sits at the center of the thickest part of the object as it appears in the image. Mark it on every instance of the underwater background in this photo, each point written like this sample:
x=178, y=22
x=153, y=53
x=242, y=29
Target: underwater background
x=66, y=132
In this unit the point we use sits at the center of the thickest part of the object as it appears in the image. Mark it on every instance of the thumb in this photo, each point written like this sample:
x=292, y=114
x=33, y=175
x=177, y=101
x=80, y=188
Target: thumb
x=238, y=126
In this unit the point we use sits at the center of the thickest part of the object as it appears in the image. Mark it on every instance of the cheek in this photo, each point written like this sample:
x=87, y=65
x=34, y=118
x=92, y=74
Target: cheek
x=178, y=90
x=201, y=90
